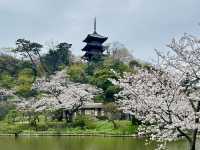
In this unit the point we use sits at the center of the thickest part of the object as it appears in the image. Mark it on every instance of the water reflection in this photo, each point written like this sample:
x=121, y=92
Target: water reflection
x=81, y=143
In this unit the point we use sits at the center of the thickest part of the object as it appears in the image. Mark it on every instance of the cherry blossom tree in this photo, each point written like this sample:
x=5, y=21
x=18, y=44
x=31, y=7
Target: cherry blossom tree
x=60, y=94
x=166, y=98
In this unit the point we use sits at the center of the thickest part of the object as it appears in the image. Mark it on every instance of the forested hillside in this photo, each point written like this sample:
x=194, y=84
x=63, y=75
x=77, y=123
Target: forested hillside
x=34, y=85
x=19, y=73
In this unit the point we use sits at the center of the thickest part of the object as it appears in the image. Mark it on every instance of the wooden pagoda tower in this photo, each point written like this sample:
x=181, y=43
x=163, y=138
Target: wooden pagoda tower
x=94, y=45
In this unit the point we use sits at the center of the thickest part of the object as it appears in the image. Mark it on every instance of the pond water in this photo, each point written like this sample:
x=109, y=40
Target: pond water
x=81, y=143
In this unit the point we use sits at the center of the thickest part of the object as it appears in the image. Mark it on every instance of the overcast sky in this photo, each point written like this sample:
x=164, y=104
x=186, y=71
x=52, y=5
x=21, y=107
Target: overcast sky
x=141, y=25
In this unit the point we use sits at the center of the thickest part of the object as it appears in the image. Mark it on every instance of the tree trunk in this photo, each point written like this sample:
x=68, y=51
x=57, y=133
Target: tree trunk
x=59, y=116
x=194, y=138
x=68, y=116
x=195, y=131
x=193, y=145
x=114, y=124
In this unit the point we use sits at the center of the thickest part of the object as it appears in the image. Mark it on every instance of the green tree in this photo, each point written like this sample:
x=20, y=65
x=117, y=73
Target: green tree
x=77, y=73
x=134, y=64
x=6, y=80
x=111, y=112
x=5, y=107
x=12, y=65
x=58, y=58
x=102, y=75
x=24, y=83
x=29, y=49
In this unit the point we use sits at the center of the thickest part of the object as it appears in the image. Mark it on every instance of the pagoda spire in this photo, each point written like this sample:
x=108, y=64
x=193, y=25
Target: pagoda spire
x=94, y=45
x=95, y=25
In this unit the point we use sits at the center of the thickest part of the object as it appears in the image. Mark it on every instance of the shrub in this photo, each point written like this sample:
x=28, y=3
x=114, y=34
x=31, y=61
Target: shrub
x=5, y=107
x=24, y=83
x=14, y=130
x=6, y=80
x=135, y=121
x=42, y=127
x=56, y=125
x=102, y=117
x=23, y=90
x=83, y=121
x=99, y=98
x=11, y=116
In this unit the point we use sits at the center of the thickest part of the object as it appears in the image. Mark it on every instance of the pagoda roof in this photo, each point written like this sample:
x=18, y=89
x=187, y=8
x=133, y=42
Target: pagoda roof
x=95, y=37
x=88, y=47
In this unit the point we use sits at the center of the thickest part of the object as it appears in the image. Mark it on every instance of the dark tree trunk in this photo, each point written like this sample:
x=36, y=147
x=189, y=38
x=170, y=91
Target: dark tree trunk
x=59, y=116
x=114, y=124
x=34, y=73
x=194, y=138
x=195, y=131
x=192, y=146
x=68, y=116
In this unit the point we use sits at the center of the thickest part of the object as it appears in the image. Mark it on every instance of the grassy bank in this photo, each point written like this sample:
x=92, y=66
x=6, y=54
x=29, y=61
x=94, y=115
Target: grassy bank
x=104, y=128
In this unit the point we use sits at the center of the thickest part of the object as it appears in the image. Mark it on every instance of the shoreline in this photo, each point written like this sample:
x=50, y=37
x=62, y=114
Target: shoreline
x=66, y=134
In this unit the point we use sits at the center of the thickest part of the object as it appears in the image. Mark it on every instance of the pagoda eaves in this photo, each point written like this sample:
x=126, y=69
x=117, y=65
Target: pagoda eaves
x=94, y=45
x=94, y=37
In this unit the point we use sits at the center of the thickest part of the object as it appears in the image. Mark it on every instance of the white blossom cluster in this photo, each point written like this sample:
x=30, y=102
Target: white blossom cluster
x=166, y=98
x=155, y=98
x=5, y=92
x=58, y=93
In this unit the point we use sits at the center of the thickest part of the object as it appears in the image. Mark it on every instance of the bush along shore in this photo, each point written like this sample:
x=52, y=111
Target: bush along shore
x=81, y=126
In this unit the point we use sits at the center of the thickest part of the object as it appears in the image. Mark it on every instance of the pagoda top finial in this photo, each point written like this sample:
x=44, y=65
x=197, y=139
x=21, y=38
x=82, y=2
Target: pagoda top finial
x=95, y=25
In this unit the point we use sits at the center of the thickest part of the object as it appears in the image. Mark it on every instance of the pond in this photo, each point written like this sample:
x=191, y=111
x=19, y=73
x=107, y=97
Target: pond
x=81, y=143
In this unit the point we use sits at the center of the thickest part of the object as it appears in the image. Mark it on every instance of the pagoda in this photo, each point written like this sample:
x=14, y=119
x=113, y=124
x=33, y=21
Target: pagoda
x=94, y=45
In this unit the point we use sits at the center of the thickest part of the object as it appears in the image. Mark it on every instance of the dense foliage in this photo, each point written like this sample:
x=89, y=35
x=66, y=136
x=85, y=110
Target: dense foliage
x=20, y=72
x=58, y=58
x=77, y=72
x=98, y=74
